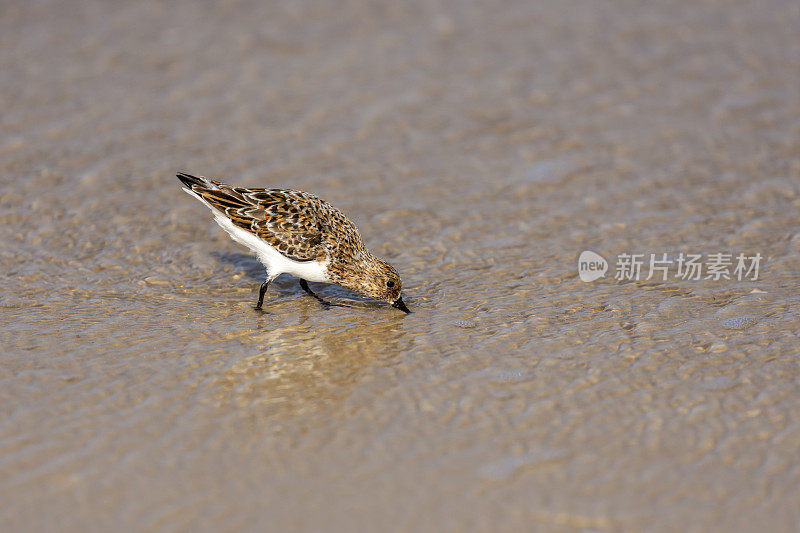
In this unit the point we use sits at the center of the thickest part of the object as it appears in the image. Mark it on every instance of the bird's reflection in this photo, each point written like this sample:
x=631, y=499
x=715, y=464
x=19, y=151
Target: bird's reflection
x=314, y=362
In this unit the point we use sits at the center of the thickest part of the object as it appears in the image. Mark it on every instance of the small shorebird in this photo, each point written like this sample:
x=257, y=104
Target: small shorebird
x=297, y=233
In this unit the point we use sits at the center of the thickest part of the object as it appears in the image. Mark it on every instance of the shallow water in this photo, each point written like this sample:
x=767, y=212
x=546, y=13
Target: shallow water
x=480, y=148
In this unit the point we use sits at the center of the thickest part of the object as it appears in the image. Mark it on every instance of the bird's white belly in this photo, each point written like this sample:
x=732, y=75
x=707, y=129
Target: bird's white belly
x=274, y=261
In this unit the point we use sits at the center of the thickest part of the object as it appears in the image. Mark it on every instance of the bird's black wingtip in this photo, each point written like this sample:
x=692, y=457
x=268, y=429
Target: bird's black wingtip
x=188, y=179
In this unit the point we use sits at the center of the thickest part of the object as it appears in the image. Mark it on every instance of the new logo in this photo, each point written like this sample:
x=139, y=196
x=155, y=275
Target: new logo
x=591, y=266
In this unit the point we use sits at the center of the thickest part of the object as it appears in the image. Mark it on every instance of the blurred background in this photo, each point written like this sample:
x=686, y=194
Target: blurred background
x=480, y=147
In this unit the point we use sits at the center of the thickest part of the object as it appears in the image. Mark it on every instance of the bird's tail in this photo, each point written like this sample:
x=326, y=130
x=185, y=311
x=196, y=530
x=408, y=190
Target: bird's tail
x=189, y=181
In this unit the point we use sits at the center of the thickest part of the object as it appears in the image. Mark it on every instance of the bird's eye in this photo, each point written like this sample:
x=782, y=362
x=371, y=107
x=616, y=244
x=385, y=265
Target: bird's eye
x=390, y=284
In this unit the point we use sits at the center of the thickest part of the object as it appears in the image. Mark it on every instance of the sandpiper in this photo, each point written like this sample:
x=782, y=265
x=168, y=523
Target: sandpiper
x=300, y=234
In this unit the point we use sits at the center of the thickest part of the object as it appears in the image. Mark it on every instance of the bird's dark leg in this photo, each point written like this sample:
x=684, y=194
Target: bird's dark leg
x=261, y=293
x=305, y=287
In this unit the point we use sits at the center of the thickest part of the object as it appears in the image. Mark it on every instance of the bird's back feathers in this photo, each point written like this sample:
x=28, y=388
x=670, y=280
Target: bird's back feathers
x=295, y=223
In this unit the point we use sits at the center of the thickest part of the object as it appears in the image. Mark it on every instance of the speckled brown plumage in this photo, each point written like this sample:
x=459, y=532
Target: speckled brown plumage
x=303, y=228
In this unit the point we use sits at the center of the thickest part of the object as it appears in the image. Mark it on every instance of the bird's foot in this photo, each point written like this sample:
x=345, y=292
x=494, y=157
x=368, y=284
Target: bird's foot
x=325, y=304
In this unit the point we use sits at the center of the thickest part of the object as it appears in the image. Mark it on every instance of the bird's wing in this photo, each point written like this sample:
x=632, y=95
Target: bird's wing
x=286, y=220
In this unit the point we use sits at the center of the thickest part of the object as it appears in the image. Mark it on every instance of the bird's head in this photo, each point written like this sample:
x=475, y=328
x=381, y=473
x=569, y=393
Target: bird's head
x=377, y=279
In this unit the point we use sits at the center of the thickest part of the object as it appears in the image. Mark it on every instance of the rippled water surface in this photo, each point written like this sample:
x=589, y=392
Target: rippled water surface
x=480, y=147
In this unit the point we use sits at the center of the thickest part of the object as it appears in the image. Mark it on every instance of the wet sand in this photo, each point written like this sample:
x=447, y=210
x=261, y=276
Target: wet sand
x=479, y=147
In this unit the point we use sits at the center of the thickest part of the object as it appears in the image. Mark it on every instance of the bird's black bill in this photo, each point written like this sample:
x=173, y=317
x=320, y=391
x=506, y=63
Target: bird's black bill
x=401, y=305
